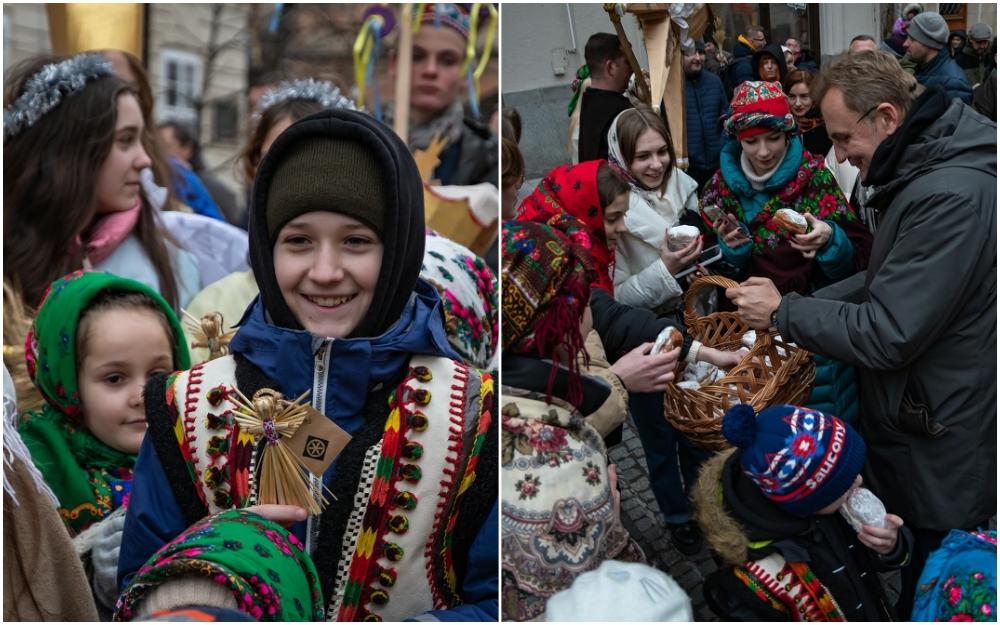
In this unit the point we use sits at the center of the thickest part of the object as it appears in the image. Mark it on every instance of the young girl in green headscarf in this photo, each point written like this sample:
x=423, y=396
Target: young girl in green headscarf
x=96, y=340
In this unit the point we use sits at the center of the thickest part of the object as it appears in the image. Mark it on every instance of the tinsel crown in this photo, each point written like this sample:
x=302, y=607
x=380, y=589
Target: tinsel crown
x=45, y=90
x=321, y=91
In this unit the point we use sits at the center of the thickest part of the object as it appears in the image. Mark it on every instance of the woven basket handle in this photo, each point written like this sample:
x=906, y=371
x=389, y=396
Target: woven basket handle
x=690, y=298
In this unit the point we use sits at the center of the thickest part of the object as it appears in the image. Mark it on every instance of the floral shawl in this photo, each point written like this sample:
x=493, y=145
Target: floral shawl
x=812, y=190
x=89, y=478
x=572, y=190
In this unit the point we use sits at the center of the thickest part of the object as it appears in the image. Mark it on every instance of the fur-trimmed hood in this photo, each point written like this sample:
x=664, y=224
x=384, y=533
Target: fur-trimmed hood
x=725, y=535
x=740, y=522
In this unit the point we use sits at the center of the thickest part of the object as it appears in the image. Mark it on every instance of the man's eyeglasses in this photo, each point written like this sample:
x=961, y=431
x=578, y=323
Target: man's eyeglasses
x=867, y=113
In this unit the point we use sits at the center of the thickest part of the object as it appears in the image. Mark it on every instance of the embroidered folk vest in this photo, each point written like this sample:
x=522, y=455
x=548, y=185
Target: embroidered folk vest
x=789, y=587
x=396, y=558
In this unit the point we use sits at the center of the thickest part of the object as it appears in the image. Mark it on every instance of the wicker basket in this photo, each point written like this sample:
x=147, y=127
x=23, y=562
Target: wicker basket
x=779, y=379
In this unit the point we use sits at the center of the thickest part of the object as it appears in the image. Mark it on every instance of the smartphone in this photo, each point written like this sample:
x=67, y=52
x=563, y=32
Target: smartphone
x=707, y=257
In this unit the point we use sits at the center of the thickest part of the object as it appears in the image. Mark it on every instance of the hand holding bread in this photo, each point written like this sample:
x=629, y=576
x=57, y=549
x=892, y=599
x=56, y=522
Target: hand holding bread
x=811, y=242
x=678, y=258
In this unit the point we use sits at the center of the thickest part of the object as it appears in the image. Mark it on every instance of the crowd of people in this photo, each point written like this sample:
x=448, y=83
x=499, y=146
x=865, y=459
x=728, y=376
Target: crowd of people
x=853, y=207
x=165, y=344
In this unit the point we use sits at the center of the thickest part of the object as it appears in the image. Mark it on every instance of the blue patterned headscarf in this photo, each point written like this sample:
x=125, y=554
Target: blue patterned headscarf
x=959, y=582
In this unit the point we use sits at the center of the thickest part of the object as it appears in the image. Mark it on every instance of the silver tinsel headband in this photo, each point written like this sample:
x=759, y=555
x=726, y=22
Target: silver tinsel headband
x=46, y=89
x=321, y=91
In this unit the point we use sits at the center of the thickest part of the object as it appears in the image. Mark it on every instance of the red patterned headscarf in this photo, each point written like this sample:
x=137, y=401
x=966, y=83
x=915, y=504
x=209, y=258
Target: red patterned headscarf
x=572, y=190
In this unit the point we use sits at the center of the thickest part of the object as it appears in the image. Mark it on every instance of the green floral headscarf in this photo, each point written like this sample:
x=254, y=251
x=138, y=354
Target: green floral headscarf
x=87, y=476
x=267, y=568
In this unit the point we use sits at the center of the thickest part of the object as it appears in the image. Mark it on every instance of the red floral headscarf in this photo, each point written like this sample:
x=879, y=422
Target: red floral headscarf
x=572, y=190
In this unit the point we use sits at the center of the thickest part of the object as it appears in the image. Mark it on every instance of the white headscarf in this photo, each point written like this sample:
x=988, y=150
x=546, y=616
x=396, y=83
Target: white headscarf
x=664, y=202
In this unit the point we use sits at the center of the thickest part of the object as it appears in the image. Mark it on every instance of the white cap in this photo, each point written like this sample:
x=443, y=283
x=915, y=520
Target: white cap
x=621, y=591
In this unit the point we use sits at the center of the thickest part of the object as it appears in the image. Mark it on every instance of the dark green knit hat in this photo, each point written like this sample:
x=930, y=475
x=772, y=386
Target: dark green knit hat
x=323, y=175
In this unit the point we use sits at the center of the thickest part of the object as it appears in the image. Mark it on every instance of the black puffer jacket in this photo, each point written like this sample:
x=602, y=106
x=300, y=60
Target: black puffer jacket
x=622, y=328
x=743, y=525
x=921, y=323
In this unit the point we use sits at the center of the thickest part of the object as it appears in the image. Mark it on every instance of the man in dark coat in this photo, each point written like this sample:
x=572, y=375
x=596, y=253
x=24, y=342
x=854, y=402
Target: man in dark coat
x=925, y=42
x=803, y=58
x=921, y=323
x=705, y=108
x=984, y=97
x=741, y=69
x=975, y=57
x=605, y=99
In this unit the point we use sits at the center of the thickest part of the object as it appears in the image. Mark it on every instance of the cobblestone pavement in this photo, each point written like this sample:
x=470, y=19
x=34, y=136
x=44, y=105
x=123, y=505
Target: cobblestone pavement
x=644, y=521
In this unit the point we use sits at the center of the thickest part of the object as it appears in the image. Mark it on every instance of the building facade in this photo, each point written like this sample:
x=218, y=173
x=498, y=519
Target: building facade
x=543, y=47
x=196, y=59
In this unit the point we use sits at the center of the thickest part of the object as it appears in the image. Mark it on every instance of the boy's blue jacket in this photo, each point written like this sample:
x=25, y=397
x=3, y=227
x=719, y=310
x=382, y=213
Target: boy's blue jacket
x=353, y=367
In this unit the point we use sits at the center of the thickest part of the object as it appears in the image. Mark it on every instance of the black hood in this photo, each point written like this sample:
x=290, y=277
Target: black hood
x=403, y=230
x=773, y=50
x=760, y=517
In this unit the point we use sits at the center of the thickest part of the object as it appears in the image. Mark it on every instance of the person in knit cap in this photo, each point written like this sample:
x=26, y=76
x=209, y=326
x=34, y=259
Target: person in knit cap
x=765, y=168
x=926, y=40
x=344, y=325
x=769, y=511
x=975, y=56
x=560, y=503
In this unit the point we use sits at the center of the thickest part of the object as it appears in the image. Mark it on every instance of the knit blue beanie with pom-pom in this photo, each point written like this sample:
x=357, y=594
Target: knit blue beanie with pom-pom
x=801, y=459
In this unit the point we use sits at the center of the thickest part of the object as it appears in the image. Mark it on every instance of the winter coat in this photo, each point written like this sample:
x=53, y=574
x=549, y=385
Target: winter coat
x=774, y=51
x=835, y=389
x=471, y=161
x=609, y=417
x=598, y=108
x=129, y=260
x=43, y=577
x=291, y=361
x=739, y=70
x=977, y=68
x=190, y=190
x=750, y=532
x=641, y=278
x=921, y=322
x=984, y=97
x=942, y=71
x=706, y=106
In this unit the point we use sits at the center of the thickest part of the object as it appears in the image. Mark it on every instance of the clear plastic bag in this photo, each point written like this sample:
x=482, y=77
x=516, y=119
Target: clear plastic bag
x=863, y=508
